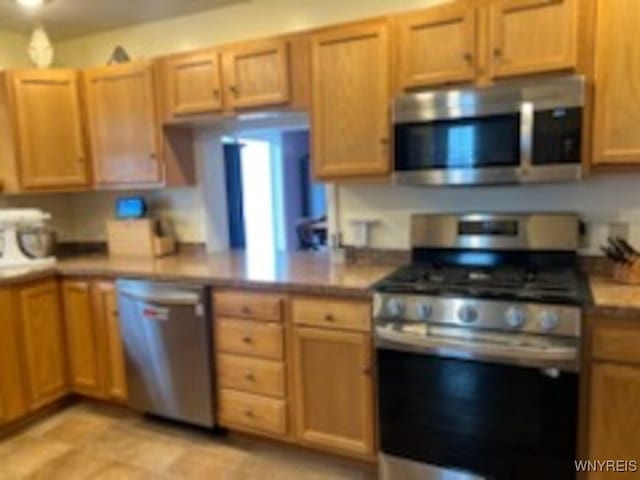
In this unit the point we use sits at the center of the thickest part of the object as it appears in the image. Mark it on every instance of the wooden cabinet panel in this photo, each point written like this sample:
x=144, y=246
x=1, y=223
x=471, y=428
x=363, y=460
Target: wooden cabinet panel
x=106, y=312
x=82, y=333
x=43, y=343
x=49, y=129
x=617, y=98
x=123, y=124
x=12, y=396
x=257, y=74
x=614, y=417
x=193, y=83
x=328, y=312
x=246, y=337
x=616, y=342
x=262, y=377
x=333, y=390
x=532, y=36
x=351, y=96
x=246, y=411
x=259, y=306
x=437, y=45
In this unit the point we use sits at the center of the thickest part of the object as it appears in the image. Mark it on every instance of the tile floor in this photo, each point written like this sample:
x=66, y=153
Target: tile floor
x=89, y=441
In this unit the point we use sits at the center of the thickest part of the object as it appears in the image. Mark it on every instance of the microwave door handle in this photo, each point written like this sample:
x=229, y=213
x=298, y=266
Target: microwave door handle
x=469, y=349
x=527, y=119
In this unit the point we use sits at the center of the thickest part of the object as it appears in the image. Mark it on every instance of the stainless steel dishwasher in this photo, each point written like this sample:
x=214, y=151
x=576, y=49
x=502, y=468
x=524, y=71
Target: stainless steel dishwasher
x=166, y=330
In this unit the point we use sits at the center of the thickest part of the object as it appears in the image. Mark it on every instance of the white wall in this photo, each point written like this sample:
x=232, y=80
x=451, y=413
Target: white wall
x=600, y=201
x=13, y=50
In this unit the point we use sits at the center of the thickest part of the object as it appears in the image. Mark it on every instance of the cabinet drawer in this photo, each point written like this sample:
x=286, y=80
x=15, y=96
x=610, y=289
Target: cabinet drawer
x=252, y=411
x=617, y=343
x=247, y=337
x=332, y=313
x=263, y=377
x=259, y=306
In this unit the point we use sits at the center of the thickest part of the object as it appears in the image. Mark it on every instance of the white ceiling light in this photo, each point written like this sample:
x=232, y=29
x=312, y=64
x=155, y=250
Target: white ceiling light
x=31, y=3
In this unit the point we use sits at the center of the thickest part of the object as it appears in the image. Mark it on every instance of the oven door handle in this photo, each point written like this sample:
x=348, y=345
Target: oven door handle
x=562, y=358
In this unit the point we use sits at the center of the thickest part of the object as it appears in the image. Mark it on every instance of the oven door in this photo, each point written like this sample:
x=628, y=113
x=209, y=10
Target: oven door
x=440, y=417
x=459, y=151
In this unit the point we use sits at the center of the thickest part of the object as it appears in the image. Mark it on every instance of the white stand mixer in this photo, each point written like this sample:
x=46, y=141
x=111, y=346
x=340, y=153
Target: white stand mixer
x=12, y=255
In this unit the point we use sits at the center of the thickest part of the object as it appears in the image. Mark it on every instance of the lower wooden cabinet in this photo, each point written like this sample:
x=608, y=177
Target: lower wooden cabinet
x=105, y=306
x=42, y=342
x=614, y=393
x=614, y=423
x=96, y=358
x=333, y=390
x=13, y=403
x=82, y=339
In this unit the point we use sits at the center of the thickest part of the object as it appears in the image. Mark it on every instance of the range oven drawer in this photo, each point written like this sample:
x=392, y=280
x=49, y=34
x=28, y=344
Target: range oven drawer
x=498, y=421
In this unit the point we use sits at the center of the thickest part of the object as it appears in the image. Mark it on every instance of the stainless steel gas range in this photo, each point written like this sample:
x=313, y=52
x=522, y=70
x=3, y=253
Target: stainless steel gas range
x=477, y=347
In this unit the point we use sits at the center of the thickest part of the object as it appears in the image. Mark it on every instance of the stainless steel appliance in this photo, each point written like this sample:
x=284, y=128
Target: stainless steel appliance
x=477, y=344
x=167, y=336
x=516, y=132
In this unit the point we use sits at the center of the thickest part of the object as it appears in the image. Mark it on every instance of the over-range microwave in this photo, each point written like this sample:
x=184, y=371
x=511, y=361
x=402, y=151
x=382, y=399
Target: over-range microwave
x=520, y=132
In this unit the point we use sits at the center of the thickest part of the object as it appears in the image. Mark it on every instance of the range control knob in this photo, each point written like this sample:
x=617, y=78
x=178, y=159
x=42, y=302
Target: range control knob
x=423, y=310
x=394, y=307
x=515, y=318
x=467, y=314
x=548, y=320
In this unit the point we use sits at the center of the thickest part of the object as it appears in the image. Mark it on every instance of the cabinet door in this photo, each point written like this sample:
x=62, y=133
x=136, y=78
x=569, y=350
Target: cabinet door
x=123, y=124
x=82, y=339
x=193, y=84
x=12, y=398
x=106, y=309
x=532, y=36
x=49, y=130
x=614, y=417
x=617, y=99
x=257, y=74
x=333, y=390
x=43, y=343
x=350, y=115
x=437, y=45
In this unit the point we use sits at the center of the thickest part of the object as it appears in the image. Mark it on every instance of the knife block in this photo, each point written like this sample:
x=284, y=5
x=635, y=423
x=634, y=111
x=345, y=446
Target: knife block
x=138, y=238
x=628, y=273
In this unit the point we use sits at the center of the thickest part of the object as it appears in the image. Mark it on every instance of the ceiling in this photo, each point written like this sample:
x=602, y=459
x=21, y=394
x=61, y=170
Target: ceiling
x=71, y=18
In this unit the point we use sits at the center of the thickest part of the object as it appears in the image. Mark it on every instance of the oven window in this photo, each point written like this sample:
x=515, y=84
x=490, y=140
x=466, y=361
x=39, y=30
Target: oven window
x=462, y=143
x=500, y=421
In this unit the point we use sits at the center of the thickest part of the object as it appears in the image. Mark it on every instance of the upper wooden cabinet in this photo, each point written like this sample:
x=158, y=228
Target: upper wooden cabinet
x=193, y=83
x=123, y=127
x=617, y=98
x=269, y=74
x=484, y=41
x=256, y=74
x=532, y=36
x=351, y=96
x=437, y=45
x=42, y=342
x=41, y=131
